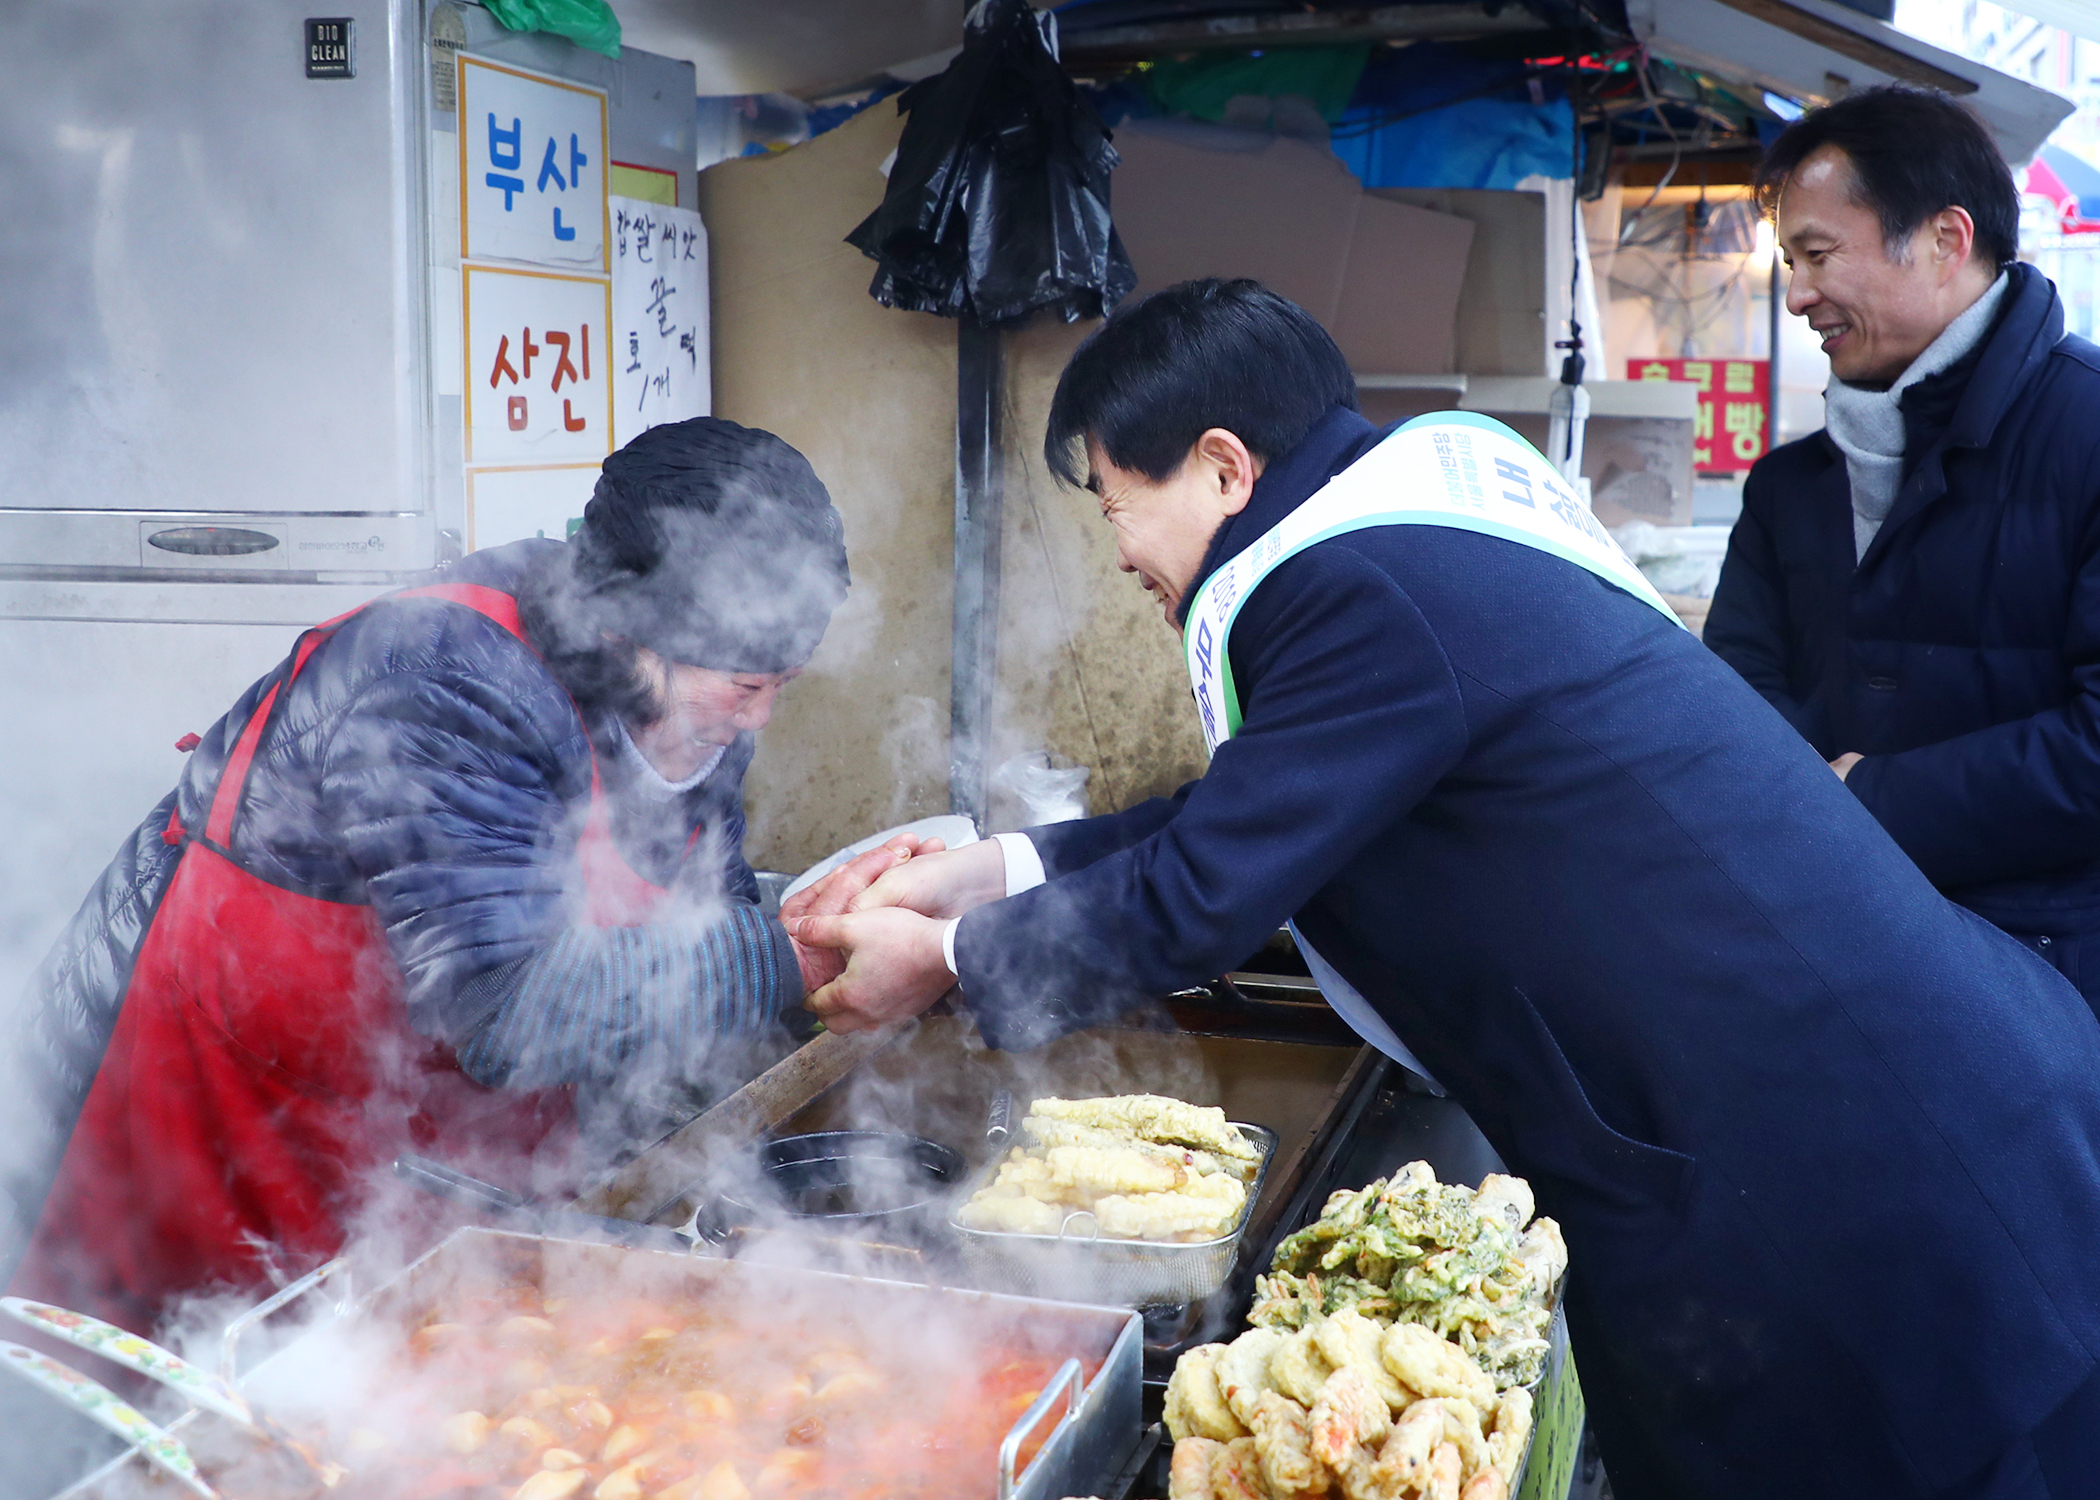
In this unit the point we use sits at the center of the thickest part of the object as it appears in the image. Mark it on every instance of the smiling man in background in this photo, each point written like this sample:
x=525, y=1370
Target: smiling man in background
x=1916, y=587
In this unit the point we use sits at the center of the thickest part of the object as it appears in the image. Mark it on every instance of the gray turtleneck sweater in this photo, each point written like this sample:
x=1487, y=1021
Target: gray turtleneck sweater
x=1867, y=423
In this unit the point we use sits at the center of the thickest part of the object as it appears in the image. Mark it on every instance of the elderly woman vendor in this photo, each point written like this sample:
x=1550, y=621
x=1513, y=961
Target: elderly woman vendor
x=467, y=846
x=1826, y=1148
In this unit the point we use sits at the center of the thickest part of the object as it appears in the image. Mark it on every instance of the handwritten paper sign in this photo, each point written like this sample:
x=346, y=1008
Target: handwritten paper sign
x=538, y=386
x=532, y=162
x=659, y=280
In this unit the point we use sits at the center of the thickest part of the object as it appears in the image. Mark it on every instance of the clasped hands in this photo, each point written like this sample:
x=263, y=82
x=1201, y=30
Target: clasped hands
x=868, y=935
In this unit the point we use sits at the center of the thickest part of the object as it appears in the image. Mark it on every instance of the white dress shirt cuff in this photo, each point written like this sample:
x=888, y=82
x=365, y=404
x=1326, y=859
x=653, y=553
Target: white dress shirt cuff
x=1024, y=867
x=1024, y=872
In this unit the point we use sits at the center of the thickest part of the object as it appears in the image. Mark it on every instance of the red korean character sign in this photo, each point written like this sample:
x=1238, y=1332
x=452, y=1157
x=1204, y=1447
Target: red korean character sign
x=1729, y=433
x=539, y=374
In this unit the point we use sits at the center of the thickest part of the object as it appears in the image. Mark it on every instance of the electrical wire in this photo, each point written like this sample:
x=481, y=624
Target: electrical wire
x=1640, y=72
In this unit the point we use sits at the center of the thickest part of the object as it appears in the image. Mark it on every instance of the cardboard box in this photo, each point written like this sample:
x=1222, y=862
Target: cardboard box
x=1639, y=469
x=1636, y=447
x=1383, y=277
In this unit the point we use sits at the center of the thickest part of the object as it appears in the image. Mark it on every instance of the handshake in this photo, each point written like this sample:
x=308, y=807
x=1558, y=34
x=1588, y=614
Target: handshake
x=870, y=935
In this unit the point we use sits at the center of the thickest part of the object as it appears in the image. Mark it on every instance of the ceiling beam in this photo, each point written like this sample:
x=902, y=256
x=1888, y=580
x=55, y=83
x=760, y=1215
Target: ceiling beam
x=1441, y=20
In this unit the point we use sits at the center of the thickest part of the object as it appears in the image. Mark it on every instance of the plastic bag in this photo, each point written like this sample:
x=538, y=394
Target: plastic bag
x=1047, y=793
x=998, y=203
x=1676, y=559
x=588, y=23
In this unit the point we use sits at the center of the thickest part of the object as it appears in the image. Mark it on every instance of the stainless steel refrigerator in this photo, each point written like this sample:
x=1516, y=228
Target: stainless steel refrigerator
x=233, y=355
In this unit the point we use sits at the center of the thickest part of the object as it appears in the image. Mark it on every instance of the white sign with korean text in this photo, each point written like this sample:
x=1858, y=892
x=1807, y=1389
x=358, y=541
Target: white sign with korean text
x=509, y=505
x=538, y=387
x=659, y=276
x=532, y=167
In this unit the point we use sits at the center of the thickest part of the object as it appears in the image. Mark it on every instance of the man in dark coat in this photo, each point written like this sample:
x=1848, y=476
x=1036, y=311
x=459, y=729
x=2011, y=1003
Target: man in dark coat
x=1825, y=1147
x=1916, y=588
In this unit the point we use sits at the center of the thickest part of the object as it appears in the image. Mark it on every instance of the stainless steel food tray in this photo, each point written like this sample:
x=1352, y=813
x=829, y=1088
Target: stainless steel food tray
x=1096, y=1421
x=1076, y=1265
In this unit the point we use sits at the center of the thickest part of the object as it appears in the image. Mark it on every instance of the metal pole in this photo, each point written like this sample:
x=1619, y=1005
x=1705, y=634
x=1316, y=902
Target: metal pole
x=979, y=378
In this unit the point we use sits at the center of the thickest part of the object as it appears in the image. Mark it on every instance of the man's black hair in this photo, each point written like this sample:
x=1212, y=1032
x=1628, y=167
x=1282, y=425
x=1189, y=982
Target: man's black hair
x=1201, y=354
x=1913, y=152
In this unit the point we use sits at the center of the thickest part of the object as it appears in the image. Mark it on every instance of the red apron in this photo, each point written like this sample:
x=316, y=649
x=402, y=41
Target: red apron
x=263, y=1069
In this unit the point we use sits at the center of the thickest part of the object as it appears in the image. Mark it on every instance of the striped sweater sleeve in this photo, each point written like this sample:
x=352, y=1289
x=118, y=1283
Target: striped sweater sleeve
x=597, y=997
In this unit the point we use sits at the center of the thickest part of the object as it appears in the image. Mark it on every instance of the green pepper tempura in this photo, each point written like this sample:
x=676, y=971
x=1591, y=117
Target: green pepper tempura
x=1472, y=1266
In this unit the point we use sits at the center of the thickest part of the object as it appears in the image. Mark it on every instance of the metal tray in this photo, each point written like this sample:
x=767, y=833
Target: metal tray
x=1096, y=1422
x=1076, y=1266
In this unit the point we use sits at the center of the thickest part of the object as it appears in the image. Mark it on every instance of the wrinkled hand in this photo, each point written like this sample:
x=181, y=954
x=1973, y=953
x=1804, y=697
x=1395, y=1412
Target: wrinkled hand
x=958, y=881
x=835, y=892
x=1844, y=763
x=893, y=968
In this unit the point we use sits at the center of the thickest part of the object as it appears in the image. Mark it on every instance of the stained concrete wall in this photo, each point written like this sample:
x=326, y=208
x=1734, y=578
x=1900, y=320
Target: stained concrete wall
x=1088, y=669
x=860, y=742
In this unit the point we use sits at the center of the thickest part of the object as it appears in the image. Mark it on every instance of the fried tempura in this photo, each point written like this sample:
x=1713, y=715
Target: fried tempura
x=1402, y=1464
x=1195, y=1406
x=1349, y=1340
x=1283, y=1437
x=1205, y=1209
x=1047, y=1132
x=1236, y=1474
x=1542, y=1253
x=1298, y=1368
x=1347, y=1414
x=1243, y=1370
x=1505, y=1445
x=1188, y=1476
x=1434, y=1366
x=1145, y=1167
x=1509, y=1198
x=1445, y=1472
x=1156, y=1119
x=1084, y=1173
x=1461, y=1429
x=1411, y=1249
x=1011, y=1213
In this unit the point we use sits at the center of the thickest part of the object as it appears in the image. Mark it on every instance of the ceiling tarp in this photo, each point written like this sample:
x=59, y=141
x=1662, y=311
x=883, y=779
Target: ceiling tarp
x=1815, y=51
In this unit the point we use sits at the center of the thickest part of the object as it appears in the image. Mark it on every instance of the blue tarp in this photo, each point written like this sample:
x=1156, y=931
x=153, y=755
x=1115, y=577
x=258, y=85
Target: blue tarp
x=1435, y=116
x=1429, y=115
x=1481, y=143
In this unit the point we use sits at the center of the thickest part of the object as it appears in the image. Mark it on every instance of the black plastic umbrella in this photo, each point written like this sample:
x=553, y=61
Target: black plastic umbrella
x=997, y=209
x=997, y=205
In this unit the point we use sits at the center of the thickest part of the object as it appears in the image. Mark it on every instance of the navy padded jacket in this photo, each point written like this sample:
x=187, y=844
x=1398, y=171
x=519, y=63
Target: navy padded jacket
x=427, y=763
x=1961, y=654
